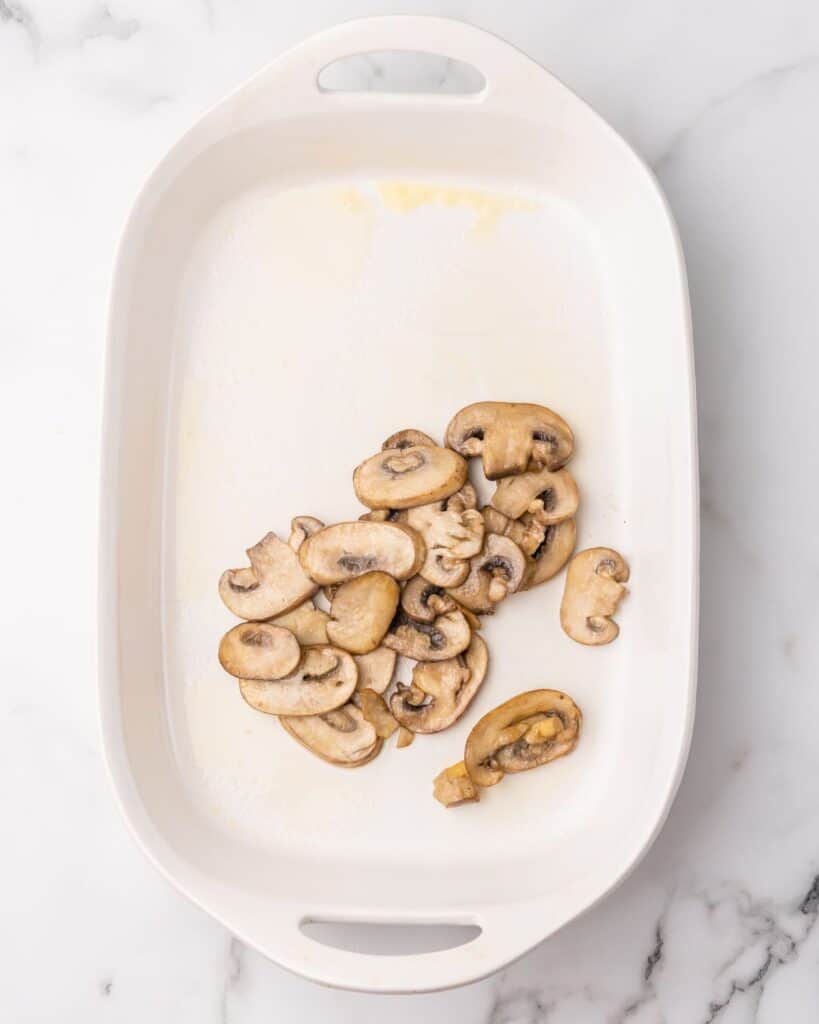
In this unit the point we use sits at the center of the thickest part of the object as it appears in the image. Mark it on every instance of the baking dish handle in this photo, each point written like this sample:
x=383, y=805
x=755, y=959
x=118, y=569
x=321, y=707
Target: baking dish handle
x=508, y=73
x=506, y=932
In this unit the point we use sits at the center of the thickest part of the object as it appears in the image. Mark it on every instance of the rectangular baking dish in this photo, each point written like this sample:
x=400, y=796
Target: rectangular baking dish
x=304, y=273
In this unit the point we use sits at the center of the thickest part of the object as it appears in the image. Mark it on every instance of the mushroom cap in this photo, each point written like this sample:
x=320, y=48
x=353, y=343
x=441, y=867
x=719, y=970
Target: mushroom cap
x=307, y=623
x=346, y=550
x=341, y=737
x=593, y=589
x=447, y=636
x=302, y=527
x=497, y=571
x=362, y=611
x=548, y=495
x=324, y=679
x=451, y=538
x=511, y=437
x=408, y=439
x=446, y=688
x=376, y=669
x=257, y=650
x=453, y=786
x=405, y=477
x=511, y=737
x=274, y=583
x=549, y=557
x=424, y=601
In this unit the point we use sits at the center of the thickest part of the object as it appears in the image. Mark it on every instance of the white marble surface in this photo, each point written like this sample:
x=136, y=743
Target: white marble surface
x=718, y=923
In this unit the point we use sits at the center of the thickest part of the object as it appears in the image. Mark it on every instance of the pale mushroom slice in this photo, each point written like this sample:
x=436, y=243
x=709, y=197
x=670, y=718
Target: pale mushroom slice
x=302, y=527
x=324, y=679
x=375, y=710
x=452, y=536
x=447, y=636
x=497, y=571
x=362, y=611
x=511, y=437
x=454, y=787
x=376, y=669
x=405, y=477
x=593, y=589
x=346, y=550
x=341, y=737
x=258, y=650
x=408, y=439
x=441, y=690
x=307, y=623
x=524, y=732
x=425, y=601
x=548, y=496
x=273, y=584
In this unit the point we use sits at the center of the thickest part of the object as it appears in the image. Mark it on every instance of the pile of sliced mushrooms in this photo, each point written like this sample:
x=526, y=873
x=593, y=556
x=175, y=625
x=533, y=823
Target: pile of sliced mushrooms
x=412, y=577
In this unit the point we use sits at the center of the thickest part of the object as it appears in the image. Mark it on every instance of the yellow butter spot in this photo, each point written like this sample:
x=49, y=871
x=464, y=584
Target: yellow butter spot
x=488, y=207
x=350, y=199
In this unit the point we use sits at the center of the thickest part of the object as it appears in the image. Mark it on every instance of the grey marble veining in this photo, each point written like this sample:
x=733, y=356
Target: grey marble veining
x=718, y=923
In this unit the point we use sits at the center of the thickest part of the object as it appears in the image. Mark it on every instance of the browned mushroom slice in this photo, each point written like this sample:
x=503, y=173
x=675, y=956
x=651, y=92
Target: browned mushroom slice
x=406, y=477
x=527, y=535
x=346, y=550
x=307, y=623
x=257, y=650
x=375, y=710
x=549, y=557
x=594, y=587
x=274, y=582
x=511, y=437
x=441, y=690
x=408, y=439
x=342, y=736
x=302, y=527
x=497, y=571
x=424, y=601
x=362, y=611
x=548, y=496
x=405, y=738
x=325, y=679
x=447, y=636
x=376, y=669
x=454, y=786
x=524, y=732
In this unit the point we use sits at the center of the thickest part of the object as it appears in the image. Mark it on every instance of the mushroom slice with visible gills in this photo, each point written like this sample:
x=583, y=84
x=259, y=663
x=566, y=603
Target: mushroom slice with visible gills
x=376, y=669
x=405, y=477
x=511, y=437
x=441, y=690
x=346, y=550
x=447, y=636
x=362, y=611
x=549, y=496
x=375, y=710
x=258, y=650
x=307, y=623
x=549, y=557
x=273, y=584
x=302, y=527
x=342, y=737
x=454, y=787
x=497, y=571
x=593, y=589
x=408, y=439
x=527, y=731
x=325, y=679
x=424, y=601
x=527, y=535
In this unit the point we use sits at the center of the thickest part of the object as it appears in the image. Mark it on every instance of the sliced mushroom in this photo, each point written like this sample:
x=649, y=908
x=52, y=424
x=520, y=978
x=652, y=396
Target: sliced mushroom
x=454, y=786
x=511, y=437
x=375, y=710
x=441, y=690
x=548, y=496
x=302, y=527
x=406, y=477
x=447, y=636
x=462, y=500
x=424, y=601
x=307, y=623
x=376, y=669
x=527, y=535
x=362, y=611
x=524, y=732
x=551, y=554
x=342, y=737
x=408, y=439
x=346, y=550
x=274, y=583
x=325, y=679
x=497, y=571
x=594, y=587
x=451, y=538
x=405, y=737
x=257, y=650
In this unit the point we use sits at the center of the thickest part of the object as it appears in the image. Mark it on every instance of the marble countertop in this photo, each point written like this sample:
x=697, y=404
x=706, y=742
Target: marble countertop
x=718, y=923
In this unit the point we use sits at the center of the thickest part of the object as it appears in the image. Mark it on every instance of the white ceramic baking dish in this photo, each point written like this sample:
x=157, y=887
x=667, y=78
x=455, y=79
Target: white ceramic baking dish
x=304, y=273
